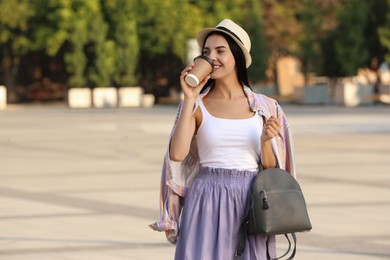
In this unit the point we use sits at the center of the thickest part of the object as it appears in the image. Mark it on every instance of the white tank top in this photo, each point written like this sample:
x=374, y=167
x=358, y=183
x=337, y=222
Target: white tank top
x=229, y=143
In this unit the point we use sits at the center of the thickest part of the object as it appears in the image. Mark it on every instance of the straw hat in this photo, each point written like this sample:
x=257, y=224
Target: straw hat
x=232, y=29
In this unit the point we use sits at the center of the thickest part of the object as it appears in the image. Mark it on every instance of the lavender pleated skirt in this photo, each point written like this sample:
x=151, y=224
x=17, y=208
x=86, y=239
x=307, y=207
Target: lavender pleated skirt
x=215, y=206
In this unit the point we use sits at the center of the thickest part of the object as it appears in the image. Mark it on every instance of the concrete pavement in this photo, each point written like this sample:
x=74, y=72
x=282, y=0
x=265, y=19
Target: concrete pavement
x=83, y=184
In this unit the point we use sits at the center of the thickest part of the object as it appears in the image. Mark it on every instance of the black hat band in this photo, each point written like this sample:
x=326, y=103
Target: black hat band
x=230, y=32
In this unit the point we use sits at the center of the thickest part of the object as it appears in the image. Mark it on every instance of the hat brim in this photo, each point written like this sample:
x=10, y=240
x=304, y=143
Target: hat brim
x=201, y=37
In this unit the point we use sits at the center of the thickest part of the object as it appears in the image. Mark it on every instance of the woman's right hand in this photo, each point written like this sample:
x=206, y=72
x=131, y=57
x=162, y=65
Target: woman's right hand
x=188, y=91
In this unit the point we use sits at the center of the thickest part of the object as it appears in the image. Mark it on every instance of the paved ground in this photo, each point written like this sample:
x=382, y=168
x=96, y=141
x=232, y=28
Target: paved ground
x=83, y=184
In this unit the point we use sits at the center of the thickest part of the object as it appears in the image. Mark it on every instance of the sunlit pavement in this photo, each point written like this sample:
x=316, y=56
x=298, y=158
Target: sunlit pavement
x=84, y=184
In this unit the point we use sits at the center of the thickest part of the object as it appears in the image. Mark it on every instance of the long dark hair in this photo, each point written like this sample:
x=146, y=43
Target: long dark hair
x=242, y=73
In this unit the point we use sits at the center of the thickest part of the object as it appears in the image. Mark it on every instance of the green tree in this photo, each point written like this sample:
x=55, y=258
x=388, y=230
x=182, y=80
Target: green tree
x=121, y=17
x=318, y=18
x=166, y=26
x=101, y=51
x=99, y=38
x=378, y=17
x=309, y=49
x=163, y=29
x=51, y=24
x=14, y=26
x=217, y=10
x=282, y=29
x=254, y=25
x=66, y=24
x=384, y=34
x=247, y=13
x=349, y=44
x=75, y=57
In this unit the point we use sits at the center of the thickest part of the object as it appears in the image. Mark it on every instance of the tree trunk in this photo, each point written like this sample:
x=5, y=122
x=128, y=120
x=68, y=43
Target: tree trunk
x=275, y=73
x=10, y=70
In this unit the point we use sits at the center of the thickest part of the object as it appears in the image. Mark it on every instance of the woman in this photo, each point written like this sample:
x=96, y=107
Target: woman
x=223, y=135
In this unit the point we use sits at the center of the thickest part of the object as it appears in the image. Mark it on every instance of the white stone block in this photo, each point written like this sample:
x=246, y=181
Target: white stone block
x=105, y=97
x=3, y=97
x=351, y=94
x=79, y=98
x=351, y=98
x=385, y=77
x=148, y=100
x=385, y=99
x=130, y=96
x=314, y=95
x=384, y=89
x=385, y=93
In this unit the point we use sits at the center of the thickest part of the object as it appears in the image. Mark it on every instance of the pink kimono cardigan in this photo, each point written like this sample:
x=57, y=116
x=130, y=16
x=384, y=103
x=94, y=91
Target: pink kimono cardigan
x=177, y=176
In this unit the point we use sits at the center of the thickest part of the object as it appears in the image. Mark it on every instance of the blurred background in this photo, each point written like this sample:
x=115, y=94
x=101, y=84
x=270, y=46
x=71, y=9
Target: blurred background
x=83, y=183
x=48, y=47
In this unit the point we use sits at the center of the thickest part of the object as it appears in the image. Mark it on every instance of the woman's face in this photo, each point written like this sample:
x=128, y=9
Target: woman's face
x=217, y=49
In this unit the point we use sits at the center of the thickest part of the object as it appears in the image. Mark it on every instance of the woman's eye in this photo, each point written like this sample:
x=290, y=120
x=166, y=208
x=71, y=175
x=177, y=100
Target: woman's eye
x=205, y=52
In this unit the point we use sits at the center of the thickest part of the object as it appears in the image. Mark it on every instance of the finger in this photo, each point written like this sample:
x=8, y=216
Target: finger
x=268, y=135
x=274, y=123
x=182, y=77
x=272, y=118
x=186, y=70
x=274, y=128
x=197, y=89
x=271, y=132
x=183, y=74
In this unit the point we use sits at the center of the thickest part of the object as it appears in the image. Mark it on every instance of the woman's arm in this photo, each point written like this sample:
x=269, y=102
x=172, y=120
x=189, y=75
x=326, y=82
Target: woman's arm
x=184, y=131
x=270, y=129
x=185, y=128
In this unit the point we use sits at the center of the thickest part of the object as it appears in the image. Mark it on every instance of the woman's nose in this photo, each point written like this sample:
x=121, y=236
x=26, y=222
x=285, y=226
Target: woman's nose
x=212, y=56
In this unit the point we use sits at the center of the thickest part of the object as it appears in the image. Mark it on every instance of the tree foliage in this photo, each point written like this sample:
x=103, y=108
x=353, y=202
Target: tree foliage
x=14, y=40
x=350, y=51
x=120, y=42
x=259, y=51
x=384, y=33
x=121, y=17
x=378, y=17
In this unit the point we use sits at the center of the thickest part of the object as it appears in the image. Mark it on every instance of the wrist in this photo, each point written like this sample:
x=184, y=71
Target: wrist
x=189, y=100
x=265, y=140
x=187, y=105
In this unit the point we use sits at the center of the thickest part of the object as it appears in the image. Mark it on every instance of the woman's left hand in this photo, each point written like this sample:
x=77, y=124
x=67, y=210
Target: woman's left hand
x=270, y=129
